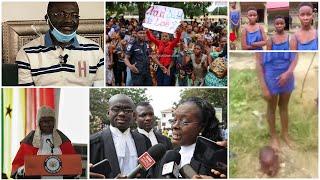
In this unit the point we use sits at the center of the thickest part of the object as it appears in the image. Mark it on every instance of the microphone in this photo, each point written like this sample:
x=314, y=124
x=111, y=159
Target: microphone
x=103, y=167
x=51, y=144
x=187, y=171
x=63, y=59
x=148, y=159
x=169, y=164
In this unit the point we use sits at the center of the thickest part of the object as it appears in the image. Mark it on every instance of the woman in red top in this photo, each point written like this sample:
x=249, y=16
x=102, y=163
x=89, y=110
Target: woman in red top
x=165, y=51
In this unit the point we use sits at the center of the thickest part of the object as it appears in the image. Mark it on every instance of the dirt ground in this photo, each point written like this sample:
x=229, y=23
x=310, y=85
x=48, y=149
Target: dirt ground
x=294, y=162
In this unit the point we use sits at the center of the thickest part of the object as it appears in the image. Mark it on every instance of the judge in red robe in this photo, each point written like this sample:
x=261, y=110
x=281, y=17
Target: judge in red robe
x=45, y=140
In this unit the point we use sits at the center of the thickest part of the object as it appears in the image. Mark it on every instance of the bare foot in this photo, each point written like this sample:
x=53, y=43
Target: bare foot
x=287, y=140
x=275, y=144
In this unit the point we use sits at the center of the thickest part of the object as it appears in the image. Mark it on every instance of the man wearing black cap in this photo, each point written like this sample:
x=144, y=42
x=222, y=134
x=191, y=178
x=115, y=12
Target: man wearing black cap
x=137, y=59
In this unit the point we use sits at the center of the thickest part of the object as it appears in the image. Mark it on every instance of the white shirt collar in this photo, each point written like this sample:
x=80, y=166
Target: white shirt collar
x=45, y=148
x=121, y=139
x=186, y=153
x=122, y=142
x=116, y=132
x=142, y=131
x=150, y=135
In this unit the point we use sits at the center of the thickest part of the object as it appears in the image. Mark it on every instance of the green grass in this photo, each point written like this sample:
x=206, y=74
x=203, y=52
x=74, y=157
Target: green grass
x=248, y=134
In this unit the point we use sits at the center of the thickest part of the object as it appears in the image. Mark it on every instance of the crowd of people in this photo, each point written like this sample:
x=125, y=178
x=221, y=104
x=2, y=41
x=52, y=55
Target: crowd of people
x=195, y=55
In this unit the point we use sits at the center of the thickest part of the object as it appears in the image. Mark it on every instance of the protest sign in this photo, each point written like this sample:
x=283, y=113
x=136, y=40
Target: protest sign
x=163, y=18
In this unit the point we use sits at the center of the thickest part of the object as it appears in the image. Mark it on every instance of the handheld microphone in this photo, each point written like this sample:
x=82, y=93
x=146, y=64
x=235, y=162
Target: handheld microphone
x=169, y=164
x=51, y=144
x=187, y=171
x=148, y=159
x=103, y=167
x=63, y=59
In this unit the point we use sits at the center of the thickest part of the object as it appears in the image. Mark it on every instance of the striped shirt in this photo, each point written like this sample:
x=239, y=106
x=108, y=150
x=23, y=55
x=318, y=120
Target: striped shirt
x=40, y=63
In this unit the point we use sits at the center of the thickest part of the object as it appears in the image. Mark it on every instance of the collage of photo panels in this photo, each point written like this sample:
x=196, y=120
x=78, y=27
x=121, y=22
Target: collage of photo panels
x=79, y=95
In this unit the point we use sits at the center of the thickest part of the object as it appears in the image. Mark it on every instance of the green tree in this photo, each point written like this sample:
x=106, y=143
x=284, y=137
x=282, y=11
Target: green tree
x=191, y=9
x=220, y=11
x=99, y=104
x=217, y=97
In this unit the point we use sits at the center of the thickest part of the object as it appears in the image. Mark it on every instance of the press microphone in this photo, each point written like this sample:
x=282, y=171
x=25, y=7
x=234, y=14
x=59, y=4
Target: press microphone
x=169, y=164
x=187, y=171
x=102, y=167
x=148, y=159
x=63, y=59
x=51, y=144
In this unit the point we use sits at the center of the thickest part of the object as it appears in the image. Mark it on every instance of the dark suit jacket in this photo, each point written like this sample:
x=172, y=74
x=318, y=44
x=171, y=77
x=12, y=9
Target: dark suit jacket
x=161, y=139
x=199, y=167
x=102, y=147
x=155, y=172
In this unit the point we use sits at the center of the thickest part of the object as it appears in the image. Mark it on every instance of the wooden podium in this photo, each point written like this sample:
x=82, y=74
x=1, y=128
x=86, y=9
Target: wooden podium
x=53, y=165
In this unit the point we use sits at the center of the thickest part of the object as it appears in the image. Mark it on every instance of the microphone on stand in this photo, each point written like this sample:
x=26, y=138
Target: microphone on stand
x=51, y=144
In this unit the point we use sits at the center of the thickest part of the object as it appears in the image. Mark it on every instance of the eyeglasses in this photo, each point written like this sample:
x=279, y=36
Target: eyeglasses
x=182, y=123
x=118, y=110
x=63, y=14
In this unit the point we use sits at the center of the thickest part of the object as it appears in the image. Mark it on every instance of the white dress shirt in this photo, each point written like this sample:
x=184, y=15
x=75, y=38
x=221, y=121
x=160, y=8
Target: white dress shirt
x=186, y=153
x=45, y=148
x=150, y=135
x=125, y=149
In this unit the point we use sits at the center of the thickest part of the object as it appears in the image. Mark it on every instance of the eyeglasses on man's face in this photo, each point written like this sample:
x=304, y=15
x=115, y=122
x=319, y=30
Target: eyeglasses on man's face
x=123, y=109
x=63, y=14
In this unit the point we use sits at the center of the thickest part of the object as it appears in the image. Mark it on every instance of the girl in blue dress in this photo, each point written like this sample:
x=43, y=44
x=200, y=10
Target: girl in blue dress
x=275, y=73
x=234, y=18
x=280, y=40
x=253, y=35
x=306, y=38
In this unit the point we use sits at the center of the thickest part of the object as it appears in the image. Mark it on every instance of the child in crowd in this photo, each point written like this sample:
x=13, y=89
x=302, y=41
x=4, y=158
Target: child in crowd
x=306, y=38
x=280, y=40
x=199, y=62
x=234, y=18
x=253, y=35
x=121, y=67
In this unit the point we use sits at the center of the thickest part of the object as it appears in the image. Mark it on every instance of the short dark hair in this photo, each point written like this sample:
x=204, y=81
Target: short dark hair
x=209, y=121
x=306, y=4
x=143, y=103
x=278, y=17
x=140, y=28
x=51, y=4
x=251, y=8
x=200, y=45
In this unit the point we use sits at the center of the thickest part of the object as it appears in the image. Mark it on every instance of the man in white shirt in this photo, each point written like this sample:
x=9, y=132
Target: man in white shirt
x=117, y=142
x=145, y=121
x=61, y=57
